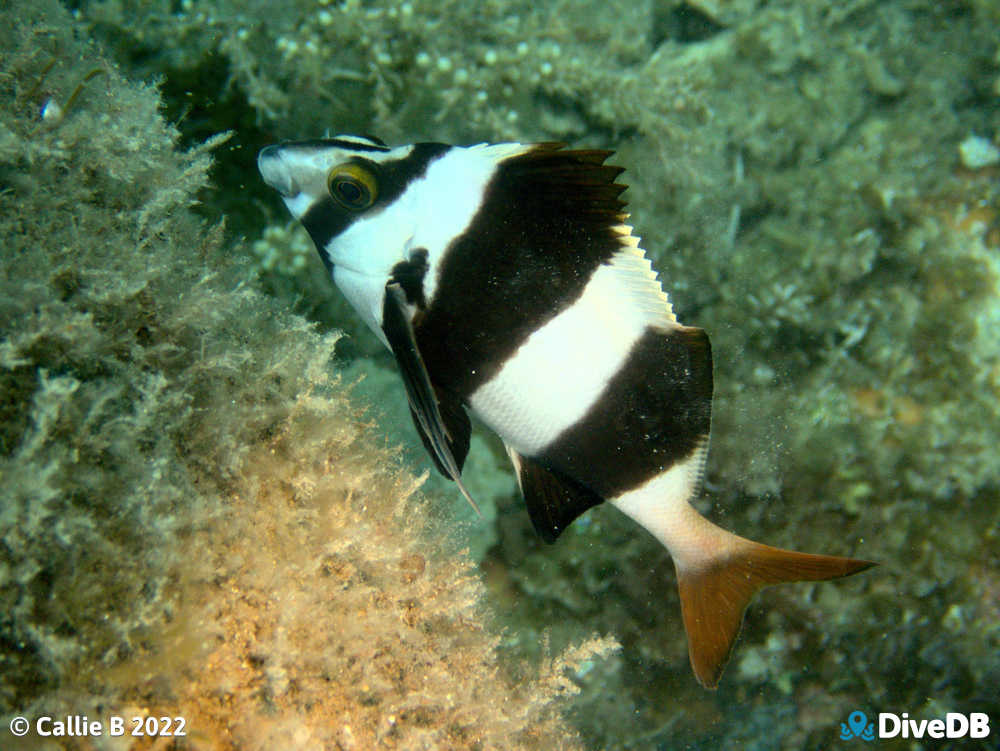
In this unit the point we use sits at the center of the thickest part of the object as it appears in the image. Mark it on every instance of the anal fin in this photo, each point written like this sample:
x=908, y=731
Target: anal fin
x=553, y=499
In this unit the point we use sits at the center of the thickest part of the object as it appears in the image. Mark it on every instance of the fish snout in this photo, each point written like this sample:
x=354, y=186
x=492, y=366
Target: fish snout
x=276, y=172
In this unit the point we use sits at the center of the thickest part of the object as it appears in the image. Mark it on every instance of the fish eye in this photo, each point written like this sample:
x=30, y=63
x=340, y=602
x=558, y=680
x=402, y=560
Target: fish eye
x=353, y=186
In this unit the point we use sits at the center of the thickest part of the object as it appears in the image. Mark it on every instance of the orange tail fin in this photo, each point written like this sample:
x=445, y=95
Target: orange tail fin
x=714, y=593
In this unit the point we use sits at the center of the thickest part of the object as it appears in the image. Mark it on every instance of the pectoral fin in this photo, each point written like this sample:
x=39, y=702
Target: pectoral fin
x=442, y=423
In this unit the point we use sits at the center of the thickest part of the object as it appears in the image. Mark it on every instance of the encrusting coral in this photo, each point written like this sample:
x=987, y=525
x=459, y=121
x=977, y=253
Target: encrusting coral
x=196, y=520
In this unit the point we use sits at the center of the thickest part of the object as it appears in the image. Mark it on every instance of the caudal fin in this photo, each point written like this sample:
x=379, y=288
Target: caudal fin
x=716, y=590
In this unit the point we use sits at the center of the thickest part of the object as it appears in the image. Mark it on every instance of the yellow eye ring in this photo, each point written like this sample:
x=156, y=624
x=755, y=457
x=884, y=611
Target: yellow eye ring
x=352, y=185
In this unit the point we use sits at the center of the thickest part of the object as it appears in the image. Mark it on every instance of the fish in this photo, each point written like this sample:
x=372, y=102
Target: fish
x=507, y=283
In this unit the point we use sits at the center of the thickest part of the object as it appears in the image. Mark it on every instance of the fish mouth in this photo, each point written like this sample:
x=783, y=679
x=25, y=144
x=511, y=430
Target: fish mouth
x=274, y=170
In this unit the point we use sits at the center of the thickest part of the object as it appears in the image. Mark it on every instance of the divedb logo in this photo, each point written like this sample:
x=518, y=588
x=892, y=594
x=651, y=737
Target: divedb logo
x=890, y=725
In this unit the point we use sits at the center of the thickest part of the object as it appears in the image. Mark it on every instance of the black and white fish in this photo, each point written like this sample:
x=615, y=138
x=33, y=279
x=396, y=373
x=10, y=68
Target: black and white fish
x=505, y=280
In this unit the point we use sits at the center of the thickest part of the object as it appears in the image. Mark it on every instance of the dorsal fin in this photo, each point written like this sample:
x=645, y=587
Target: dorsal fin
x=640, y=283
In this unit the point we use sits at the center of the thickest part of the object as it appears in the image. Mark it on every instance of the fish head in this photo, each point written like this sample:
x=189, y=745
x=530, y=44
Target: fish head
x=349, y=194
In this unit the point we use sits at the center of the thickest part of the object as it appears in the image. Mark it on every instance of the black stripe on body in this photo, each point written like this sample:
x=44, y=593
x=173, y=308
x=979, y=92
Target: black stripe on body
x=544, y=227
x=326, y=218
x=655, y=412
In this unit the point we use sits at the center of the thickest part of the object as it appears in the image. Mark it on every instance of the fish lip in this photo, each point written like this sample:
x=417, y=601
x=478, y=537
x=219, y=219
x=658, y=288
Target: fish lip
x=272, y=168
